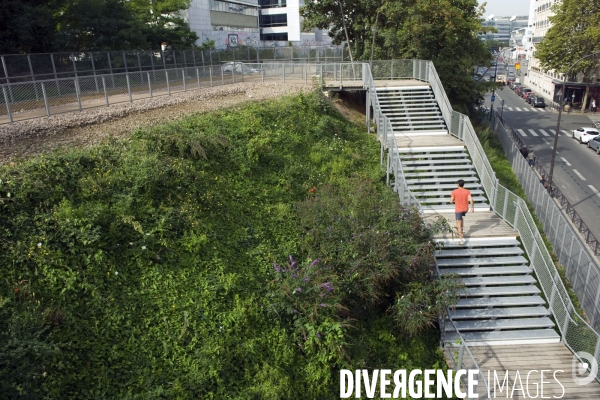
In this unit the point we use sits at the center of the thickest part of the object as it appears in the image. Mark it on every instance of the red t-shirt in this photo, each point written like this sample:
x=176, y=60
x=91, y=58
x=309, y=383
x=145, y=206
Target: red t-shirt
x=461, y=199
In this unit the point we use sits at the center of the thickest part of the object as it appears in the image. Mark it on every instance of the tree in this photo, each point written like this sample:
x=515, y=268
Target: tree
x=574, y=34
x=162, y=22
x=28, y=26
x=444, y=31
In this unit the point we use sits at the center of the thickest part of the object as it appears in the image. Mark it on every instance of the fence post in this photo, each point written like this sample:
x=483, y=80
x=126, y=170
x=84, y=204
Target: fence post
x=565, y=326
x=168, y=84
x=263, y=75
x=45, y=99
x=461, y=352
x=149, y=84
x=7, y=80
x=37, y=97
x=222, y=76
x=341, y=75
x=233, y=73
x=210, y=72
x=183, y=75
x=105, y=92
x=112, y=77
x=55, y=75
x=77, y=91
x=392, y=70
x=198, y=77
x=94, y=70
x=7, y=102
x=128, y=87
x=283, y=73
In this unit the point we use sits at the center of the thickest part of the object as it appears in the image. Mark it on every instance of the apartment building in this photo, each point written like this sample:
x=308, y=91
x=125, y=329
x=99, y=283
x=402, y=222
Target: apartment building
x=257, y=23
x=504, y=26
x=548, y=84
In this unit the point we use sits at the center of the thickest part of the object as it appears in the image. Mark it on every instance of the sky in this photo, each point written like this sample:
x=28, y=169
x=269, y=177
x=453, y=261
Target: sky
x=501, y=8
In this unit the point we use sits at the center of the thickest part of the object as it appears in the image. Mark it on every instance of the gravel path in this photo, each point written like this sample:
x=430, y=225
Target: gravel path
x=81, y=129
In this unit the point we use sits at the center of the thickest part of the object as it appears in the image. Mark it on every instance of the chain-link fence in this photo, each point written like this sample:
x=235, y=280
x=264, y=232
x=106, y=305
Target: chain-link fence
x=580, y=266
x=40, y=67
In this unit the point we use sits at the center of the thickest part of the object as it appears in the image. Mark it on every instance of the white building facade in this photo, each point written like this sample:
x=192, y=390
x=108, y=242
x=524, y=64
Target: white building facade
x=257, y=23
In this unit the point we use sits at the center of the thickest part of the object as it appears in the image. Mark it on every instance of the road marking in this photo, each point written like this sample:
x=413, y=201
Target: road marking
x=532, y=132
x=518, y=109
x=566, y=162
x=552, y=131
x=544, y=132
x=565, y=132
x=579, y=175
x=522, y=132
x=510, y=109
x=594, y=190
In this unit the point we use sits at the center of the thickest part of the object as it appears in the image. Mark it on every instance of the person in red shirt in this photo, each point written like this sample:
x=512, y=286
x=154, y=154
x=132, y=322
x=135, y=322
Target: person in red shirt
x=461, y=198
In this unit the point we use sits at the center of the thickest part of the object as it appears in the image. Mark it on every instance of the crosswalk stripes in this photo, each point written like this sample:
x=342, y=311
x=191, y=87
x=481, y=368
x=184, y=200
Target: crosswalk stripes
x=528, y=109
x=540, y=132
x=518, y=109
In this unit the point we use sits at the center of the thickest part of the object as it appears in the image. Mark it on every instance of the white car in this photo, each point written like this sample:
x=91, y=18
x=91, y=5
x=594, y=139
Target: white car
x=584, y=134
x=238, y=67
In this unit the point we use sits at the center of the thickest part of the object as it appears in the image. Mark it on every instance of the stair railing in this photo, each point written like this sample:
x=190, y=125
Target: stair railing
x=575, y=332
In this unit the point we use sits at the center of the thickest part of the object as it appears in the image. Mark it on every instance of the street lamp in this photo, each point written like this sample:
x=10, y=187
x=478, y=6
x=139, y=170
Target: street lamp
x=560, y=107
x=495, y=75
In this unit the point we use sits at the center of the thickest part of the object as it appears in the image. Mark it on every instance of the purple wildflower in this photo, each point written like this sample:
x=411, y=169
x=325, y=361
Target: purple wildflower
x=295, y=311
x=312, y=264
x=276, y=267
x=299, y=289
x=306, y=279
x=323, y=305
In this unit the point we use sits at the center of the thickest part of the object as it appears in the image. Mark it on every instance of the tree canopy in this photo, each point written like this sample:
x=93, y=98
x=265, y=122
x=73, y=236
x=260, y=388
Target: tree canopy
x=444, y=31
x=575, y=33
x=89, y=25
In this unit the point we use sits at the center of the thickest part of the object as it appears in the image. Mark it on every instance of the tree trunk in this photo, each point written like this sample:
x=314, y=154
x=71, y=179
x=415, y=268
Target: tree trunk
x=373, y=42
x=585, y=96
x=347, y=37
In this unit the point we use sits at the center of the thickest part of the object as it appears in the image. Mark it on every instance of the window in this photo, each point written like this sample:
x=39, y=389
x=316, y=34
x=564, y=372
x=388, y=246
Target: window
x=273, y=20
x=272, y=3
x=223, y=6
x=274, y=36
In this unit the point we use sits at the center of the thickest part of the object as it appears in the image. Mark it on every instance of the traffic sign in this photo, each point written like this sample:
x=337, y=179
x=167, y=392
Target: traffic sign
x=493, y=97
x=517, y=65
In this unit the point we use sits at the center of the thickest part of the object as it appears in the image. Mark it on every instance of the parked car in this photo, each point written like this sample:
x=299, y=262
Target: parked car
x=524, y=91
x=515, y=85
x=585, y=134
x=529, y=97
x=594, y=144
x=538, y=102
x=518, y=90
x=238, y=67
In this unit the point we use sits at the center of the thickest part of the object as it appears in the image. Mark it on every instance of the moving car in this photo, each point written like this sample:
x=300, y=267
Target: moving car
x=594, y=144
x=585, y=134
x=238, y=67
x=538, y=102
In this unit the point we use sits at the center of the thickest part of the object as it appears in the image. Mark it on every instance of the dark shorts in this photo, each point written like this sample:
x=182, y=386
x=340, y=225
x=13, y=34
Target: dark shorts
x=460, y=215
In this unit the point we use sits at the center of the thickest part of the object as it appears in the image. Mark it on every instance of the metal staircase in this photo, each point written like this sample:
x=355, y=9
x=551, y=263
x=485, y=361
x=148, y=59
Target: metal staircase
x=500, y=302
x=412, y=109
x=432, y=172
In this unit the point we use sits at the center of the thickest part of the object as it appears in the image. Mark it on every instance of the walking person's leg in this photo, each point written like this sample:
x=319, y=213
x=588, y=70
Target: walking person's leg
x=459, y=226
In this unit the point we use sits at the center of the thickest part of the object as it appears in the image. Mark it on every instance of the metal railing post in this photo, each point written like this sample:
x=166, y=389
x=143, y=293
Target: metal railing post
x=37, y=97
x=283, y=73
x=222, y=77
x=168, y=84
x=565, y=325
x=55, y=75
x=263, y=75
x=183, y=75
x=233, y=74
x=210, y=73
x=149, y=84
x=105, y=92
x=77, y=91
x=45, y=99
x=7, y=103
x=197, y=76
x=12, y=98
x=461, y=352
x=94, y=71
x=128, y=87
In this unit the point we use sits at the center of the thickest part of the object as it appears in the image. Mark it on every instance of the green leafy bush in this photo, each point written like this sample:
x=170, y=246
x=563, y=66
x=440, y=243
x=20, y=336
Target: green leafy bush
x=149, y=261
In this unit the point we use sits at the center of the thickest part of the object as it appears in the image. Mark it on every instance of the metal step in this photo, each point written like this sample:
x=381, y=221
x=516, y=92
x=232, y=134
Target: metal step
x=500, y=291
x=436, y=167
x=500, y=324
x=444, y=200
x=442, y=193
x=408, y=108
x=516, y=312
x=450, y=262
x=486, y=271
x=505, y=251
x=416, y=116
x=451, y=186
x=480, y=242
x=505, y=337
x=499, y=280
x=507, y=301
x=445, y=208
x=425, y=156
x=458, y=174
x=443, y=161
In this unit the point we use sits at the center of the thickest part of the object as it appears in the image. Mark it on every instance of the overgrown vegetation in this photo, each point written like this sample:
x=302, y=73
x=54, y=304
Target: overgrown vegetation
x=246, y=254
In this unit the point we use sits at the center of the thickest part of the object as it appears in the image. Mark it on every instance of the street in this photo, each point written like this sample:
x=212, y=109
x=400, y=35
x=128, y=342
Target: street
x=575, y=165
